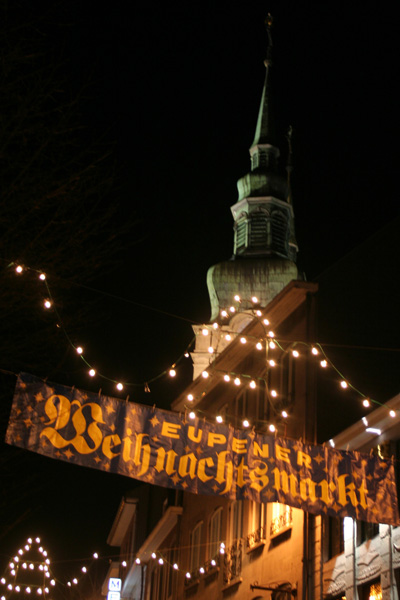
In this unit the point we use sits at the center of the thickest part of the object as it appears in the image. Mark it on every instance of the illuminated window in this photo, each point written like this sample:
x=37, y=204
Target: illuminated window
x=195, y=546
x=281, y=519
x=257, y=525
x=215, y=528
x=370, y=591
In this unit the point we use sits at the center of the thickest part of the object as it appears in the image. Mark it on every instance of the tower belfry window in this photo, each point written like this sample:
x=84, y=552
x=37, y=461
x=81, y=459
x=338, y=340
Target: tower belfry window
x=279, y=232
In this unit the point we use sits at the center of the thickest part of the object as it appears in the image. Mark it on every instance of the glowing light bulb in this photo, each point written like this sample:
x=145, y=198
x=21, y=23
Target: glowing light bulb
x=120, y=386
x=28, y=590
x=232, y=309
x=237, y=381
x=271, y=334
x=201, y=570
x=204, y=331
x=259, y=346
x=2, y=580
x=254, y=300
x=188, y=575
x=79, y=350
x=37, y=540
x=175, y=566
x=332, y=443
x=42, y=276
x=226, y=377
x=53, y=582
x=205, y=374
x=272, y=363
x=215, y=325
x=237, y=298
x=253, y=385
x=95, y=555
x=344, y=384
x=246, y=423
x=243, y=340
x=172, y=372
x=92, y=372
x=192, y=415
x=190, y=397
x=274, y=393
x=137, y=561
x=213, y=563
x=160, y=561
x=366, y=402
x=40, y=591
x=295, y=354
x=12, y=572
x=12, y=565
x=323, y=364
x=210, y=350
x=124, y=563
x=47, y=303
x=75, y=581
x=258, y=313
x=84, y=570
x=19, y=269
x=272, y=345
x=314, y=351
x=27, y=547
x=265, y=321
x=272, y=428
x=31, y=566
x=219, y=419
x=17, y=588
x=392, y=413
x=9, y=586
x=284, y=414
x=228, y=337
x=224, y=314
x=187, y=354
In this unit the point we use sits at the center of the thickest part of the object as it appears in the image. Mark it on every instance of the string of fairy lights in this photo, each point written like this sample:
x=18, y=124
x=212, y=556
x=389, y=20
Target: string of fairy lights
x=269, y=342
x=32, y=576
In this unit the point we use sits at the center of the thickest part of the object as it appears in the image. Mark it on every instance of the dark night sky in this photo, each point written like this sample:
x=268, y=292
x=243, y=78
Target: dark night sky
x=178, y=88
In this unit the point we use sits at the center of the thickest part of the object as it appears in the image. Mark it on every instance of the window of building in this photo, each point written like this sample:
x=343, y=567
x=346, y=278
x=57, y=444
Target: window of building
x=257, y=530
x=366, y=531
x=237, y=520
x=281, y=519
x=333, y=536
x=370, y=591
x=215, y=530
x=195, y=547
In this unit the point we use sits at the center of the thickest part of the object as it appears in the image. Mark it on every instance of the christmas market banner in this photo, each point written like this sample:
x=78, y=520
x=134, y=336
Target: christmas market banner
x=163, y=448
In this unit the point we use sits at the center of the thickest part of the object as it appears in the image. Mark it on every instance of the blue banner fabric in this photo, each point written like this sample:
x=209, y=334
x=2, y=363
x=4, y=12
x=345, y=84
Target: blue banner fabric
x=163, y=448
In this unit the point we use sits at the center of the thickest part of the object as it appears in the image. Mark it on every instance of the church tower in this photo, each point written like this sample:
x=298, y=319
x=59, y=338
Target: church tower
x=265, y=247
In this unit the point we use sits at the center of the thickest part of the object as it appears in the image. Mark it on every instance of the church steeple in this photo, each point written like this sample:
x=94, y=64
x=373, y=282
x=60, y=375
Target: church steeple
x=265, y=247
x=263, y=216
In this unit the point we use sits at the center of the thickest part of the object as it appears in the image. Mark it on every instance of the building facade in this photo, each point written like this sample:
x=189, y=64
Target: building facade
x=255, y=367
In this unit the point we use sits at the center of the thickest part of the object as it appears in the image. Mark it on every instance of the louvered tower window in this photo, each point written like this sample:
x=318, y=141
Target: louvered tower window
x=241, y=235
x=279, y=232
x=260, y=234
